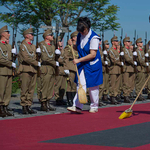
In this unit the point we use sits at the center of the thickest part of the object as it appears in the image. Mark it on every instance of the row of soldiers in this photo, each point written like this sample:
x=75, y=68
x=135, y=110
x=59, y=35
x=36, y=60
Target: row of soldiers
x=115, y=81
x=49, y=84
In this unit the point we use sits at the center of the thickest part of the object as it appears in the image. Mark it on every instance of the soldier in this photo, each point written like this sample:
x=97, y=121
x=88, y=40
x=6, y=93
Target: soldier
x=70, y=68
x=6, y=66
x=60, y=81
x=128, y=76
x=115, y=70
x=48, y=66
x=28, y=71
x=104, y=88
x=140, y=76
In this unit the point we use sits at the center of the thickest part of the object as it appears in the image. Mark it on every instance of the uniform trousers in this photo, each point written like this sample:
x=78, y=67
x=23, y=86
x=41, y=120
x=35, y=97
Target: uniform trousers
x=114, y=84
x=139, y=81
x=71, y=85
x=128, y=83
x=28, y=82
x=5, y=89
x=93, y=92
x=60, y=87
x=47, y=86
x=39, y=88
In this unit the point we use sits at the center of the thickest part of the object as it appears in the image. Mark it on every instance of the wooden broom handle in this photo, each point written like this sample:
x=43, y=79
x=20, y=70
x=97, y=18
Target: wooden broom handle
x=76, y=66
x=140, y=92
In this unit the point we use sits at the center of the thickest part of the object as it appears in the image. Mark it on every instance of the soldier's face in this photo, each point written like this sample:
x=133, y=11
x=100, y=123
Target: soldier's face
x=131, y=47
x=50, y=37
x=107, y=46
x=140, y=44
x=6, y=35
x=30, y=37
x=127, y=44
x=74, y=38
x=115, y=43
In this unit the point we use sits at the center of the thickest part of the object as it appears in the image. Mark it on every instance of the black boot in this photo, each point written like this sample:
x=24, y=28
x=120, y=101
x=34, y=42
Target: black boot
x=127, y=99
x=7, y=112
x=101, y=103
x=113, y=100
x=105, y=98
x=24, y=110
x=2, y=113
x=30, y=111
x=49, y=106
x=69, y=98
x=148, y=97
x=44, y=106
x=140, y=98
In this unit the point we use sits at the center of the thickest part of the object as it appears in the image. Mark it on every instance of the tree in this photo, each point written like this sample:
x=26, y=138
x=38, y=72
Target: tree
x=36, y=12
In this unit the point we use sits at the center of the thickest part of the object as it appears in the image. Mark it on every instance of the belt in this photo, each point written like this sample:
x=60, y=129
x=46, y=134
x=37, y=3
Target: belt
x=70, y=59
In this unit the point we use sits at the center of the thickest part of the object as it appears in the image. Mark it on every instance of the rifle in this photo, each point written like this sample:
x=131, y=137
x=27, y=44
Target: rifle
x=121, y=50
x=145, y=50
x=38, y=56
x=56, y=44
x=13, y=55
x=103, y=48
x=134, y=50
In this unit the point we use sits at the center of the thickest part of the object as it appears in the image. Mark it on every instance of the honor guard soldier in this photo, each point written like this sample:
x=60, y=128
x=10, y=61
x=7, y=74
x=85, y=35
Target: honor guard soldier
x=115, y=70
x=48, y=67
x=141, y=65
x=70, y=68
x=6, y=66
x=128, y=76
x=103, y=88
x=60, y=81
x=28, y=71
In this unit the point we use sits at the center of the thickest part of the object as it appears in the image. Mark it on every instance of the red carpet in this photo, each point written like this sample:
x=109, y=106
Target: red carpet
x=28, y=133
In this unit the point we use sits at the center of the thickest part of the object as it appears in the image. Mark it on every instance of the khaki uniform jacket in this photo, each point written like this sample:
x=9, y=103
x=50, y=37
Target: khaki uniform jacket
x=128, y=59
x=48, y=63
x=27, y=58
x=102, y=59
x=141, y=60
x=68, y=58
x=115, y=67
x=61, y=63
x=5, y=59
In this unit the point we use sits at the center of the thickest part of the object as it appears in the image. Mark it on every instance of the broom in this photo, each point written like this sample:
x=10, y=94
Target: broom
x=128, y=112
x=81, y=93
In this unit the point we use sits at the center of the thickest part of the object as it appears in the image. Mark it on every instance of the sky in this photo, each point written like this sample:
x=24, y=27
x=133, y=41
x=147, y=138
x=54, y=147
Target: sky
x=132, y=15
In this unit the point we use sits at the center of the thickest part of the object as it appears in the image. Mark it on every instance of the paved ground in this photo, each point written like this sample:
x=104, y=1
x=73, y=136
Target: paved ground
x=15, y=104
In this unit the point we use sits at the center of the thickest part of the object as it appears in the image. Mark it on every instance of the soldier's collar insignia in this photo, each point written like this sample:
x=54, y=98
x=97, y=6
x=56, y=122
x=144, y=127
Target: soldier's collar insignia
x=29, y=43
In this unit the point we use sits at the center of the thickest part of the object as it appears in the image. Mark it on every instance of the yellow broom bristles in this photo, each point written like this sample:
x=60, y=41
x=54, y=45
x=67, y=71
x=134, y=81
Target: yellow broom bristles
x=82, y=96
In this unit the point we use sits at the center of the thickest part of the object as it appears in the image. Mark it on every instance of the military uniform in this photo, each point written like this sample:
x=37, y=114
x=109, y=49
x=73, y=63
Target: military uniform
x=28, y=73
x=104, y=88
x=128, y=75
x=5, y=75
x=140, y=76
x=68, y=65
x=60, y=81
x=115, y=72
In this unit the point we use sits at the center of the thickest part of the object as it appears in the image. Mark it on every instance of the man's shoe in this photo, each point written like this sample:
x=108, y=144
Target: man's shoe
x=148, y=97
x=140, y=98
x=30, y=111
x=102, y=104
x=44, y=106
x=126, y=99
x=2, y=113
x=93, y=110
x=74, y=109
x=7, y=112
x=50, y=107
x=113, y=100
x=105, y=98
x=24, y=110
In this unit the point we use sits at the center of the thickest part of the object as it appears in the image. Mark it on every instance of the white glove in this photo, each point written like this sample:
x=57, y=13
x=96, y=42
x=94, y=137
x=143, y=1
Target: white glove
x=14, y=51
x=38, y=50
x=121, y=53
x=105, y=52
x=135, y=53
x=146, y=55
x=122, y=64
x=147, y=64
x=13, y=65
x=57, y=51
x=106, y=62
x=66, y=71
x=39, y=64
x=135, y=63
x=57, y=63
